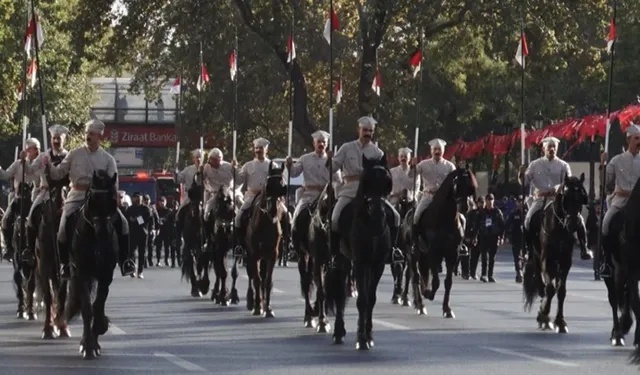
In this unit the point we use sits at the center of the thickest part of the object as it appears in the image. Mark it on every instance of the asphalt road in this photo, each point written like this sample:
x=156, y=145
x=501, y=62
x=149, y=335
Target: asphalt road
x=159, y=329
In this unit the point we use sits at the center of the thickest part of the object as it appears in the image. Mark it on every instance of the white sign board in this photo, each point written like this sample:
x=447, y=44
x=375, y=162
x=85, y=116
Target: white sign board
x=128, y=156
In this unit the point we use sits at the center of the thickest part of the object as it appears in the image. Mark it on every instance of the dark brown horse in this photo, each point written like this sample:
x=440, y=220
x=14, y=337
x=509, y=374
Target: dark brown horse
x=440, y=236
x=264, y=232
x=400, y=254
x=52, y=287
x=195, y=261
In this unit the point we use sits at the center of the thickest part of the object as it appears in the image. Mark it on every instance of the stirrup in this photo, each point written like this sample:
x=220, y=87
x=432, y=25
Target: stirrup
x=238, y=251
x=27, y=258
x=128, y=267
x=605, y=271
x=463, y=250
x=397, y=257
x=333, y=263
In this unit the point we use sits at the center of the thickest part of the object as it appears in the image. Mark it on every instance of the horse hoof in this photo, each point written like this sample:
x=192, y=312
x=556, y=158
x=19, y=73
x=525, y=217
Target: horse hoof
x=421, y=311
x=32, y=316
x=618, y=341
x=49, y=333
x=21, y=315
x=257, y=312
x=195, y=293
x=362, y=345
x=449, y=314
x=337, y=340
x=406, y=302
x=394, y=300
x=308, y=323
x=235, y=299
x=323, y=328
x=268, y=313
x=214, y=296
x=545, y=326
x=371, y=343
x=223, y=302
x=64, y=332
x=562, y=328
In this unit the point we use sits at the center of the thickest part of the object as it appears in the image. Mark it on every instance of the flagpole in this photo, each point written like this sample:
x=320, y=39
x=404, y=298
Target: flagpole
x=329, y=232
x=34, y=38
x=179, y=122
x=235, y=127
x=603, y=173
x=523, y=161
x=290, y=51
x=25, y=97
x=200, y=102
x=417, y=134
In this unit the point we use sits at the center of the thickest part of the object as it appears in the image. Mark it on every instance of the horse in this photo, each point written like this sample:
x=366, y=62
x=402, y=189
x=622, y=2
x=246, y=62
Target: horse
x=263, y=235
x=219, y=240
x=94, y=255
x=549, y=261
x=24, y=262
x=399, y=255
x=365, y=245
x=195, y=262
x=440, y=236
x=626, y=273
x=52, y=287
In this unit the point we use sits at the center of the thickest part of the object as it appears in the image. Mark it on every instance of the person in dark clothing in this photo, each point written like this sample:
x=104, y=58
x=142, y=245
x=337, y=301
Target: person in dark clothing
x=592, y=226
x=176, y=247
x=473, y=220
x=140, y=222
x=165, y=228
x=514, y=228
x=490, y=233
x=146, y=200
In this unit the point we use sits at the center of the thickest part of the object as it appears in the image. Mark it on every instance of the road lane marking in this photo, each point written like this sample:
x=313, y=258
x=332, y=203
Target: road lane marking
x=390, y=325
x=184, y=364
x=114, y=330
x=531, y=357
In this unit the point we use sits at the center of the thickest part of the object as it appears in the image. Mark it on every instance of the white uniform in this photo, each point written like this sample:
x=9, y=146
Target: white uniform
x=432, y=174
x=544, y=175
x=349, y=160
x=186, y=177
x=216, y=178
x=254, y=175
x=624, y=169
x=80, y=164
x=15, y=172
x=316, y=176
x=43, y=191
x=402, y=181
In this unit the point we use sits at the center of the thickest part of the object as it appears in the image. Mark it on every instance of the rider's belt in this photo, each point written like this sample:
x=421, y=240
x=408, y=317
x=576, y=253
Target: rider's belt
x=351, y=178
x=432, y=192
x=622, y=193
x=44, y=187
x=314, y=187
x=548, y=194
x=80, y=187
x=254, y=191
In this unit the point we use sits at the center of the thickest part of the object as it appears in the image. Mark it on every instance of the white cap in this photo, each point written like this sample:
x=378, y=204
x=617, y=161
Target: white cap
x=216, y=153
x=32, y=142
x=550, y=141
x=260, y=142
x=58, y=130
x=406, y=151
x=197, y=153
x=437, y=143
x=633, y=129
x=321, y=135
x=367, y=122
x=94, y=126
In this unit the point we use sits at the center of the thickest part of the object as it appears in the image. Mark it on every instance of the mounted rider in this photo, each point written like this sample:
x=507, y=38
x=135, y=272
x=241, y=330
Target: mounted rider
x=217, y=174
x=14, y=172
x=316, y=175
x=56, y=154
x=80, y=164
x=401, y=179
x=349, y=160
x=254, y=175
x=545, y=174
x=433, y=172
x=186, y=177
x=624, y=171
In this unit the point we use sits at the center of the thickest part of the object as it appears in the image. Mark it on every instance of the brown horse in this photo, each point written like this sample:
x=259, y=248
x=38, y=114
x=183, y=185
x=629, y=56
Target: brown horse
x=264, y=232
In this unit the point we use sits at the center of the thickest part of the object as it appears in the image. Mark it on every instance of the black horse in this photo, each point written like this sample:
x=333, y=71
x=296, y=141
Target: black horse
x=94, y=254
x=219, y=241
x=400, y=255
x=366, y=241
x=195, y=261
x=51, y=285
x=550, y=260
x=440, y=236
x=263, y=235
x=24, y=262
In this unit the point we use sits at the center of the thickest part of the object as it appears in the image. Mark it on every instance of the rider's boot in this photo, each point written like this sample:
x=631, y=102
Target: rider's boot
x=28, y=256
x=585, y=253
x=335, y=248
x=127, y=265
x=605, y=270
x=63, y=250
x=396, y=253
x=8, y=243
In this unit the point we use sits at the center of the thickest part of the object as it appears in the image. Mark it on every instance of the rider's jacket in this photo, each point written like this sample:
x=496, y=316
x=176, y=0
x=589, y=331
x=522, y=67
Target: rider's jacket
x=624, y=170
x=15, y=172
x=432, y=173
x=402, y=181
x=254, y=175
x=216, y=178
x=545, y=174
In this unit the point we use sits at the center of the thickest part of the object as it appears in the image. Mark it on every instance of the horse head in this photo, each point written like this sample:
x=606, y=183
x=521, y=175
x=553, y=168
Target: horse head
x=195, y=190
x=274, y=189
x=464, y=186
x=572, y=196
x=224, y=208
x=101, y=203
x=375, y=185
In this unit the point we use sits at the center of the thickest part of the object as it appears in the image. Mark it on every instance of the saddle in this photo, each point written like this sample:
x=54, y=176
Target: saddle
x=246, y=215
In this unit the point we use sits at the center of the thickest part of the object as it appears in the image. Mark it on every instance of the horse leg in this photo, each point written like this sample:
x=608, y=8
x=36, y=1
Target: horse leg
x=323, y=323
x=267, y=283
x=416, y=281
x=363, y=279
x=188, y=267
x=617, y=337
x=447, y=312
x=335, y=286
x=31, y=289
x=220, y=267
x=235, y=298
x=544, y=322
x=305, y=287
x=100, y=320
x=257, y=286
x=634, y=301
x=396, y=272
x=60, y=321
x=49, y=330
x=561, y=287
x=404, y=299
x=374, y=279
x=88, y=345
x=20, y=292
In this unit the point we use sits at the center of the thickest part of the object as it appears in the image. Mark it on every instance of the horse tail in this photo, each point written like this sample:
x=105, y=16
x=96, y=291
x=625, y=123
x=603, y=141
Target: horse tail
x=530, y=283
x=74, y=297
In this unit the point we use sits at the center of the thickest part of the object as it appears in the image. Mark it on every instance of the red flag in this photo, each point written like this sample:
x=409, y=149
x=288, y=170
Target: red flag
x=377, y=82
x=612, y=36
x=333, y=23
x=203, y=79
x=20, y=91
x=338, y=92
x=233, y=65
x=175, y=88
x=523, y=50
x=416, y=62
x=34, y=28
x=291, y=49
x=32, y=73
